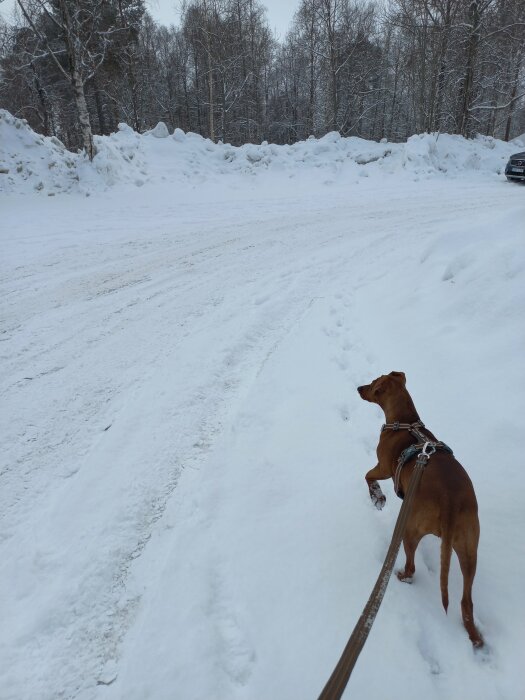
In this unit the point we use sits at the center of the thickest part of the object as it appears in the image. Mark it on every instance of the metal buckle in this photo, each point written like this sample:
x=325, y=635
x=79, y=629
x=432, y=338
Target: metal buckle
x=395, y=426
x=427, y=450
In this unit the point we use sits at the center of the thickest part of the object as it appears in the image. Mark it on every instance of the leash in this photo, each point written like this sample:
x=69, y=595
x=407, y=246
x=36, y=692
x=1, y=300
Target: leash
x=337, y=682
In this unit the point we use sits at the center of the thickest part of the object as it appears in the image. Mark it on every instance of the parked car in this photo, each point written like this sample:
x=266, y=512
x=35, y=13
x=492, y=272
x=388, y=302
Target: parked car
x=515, y=168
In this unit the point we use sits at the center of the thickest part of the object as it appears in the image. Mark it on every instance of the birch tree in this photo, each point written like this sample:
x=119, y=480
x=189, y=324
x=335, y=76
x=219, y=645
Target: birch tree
x=84, y=39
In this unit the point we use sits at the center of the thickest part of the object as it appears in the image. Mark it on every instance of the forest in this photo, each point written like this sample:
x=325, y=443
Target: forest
x=378, y=70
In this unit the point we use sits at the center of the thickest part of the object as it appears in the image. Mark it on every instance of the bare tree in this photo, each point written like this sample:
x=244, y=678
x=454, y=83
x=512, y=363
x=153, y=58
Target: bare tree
x=84, y=40
x=74, y=67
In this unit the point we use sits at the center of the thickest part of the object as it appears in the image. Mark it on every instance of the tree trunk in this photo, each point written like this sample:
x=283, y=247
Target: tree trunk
x=83, y=115
x=511, y=110
x=334, y=92
x=513, y=94
x=468, y=80
x=100, y=109
x=71, y=41
x=211, y=125
x=312, y=58
x=443, y=58
x=49, y=128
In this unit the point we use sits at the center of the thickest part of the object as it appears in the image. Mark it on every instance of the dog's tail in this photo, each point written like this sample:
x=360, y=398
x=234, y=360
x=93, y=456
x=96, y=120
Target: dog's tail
x=446, y=554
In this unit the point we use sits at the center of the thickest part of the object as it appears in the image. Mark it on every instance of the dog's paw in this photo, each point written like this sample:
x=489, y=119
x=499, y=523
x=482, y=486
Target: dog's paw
x=404, y=578
x=378, y=501
x=477, y=640
x=377, y=497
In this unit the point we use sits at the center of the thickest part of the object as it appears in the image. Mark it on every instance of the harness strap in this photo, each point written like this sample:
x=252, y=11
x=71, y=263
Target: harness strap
x=413, y=428
x=402, y=426
x=412, y=450
x=408, y=454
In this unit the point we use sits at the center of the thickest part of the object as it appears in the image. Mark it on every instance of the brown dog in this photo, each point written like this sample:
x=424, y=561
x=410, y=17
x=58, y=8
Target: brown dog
x=445, y=503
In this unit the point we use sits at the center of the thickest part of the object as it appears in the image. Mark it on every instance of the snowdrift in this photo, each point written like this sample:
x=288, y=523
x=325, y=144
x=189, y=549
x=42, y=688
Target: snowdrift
x=30, y=162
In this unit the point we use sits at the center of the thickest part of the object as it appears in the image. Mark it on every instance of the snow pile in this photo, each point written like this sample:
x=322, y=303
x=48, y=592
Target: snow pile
x=425, y=154
x=447, y=153
x=161, y=131
x=30, y=162
x=119, y=159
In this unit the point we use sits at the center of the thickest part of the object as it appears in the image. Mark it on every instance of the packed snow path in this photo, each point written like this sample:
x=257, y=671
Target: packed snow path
x=184, y=514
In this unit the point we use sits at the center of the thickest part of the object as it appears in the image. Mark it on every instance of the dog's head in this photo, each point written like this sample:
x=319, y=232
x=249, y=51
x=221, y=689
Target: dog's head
x=384, y=386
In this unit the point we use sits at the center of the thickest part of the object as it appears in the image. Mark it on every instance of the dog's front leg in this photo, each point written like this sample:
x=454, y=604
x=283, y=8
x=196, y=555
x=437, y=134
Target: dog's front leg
x=377, y=496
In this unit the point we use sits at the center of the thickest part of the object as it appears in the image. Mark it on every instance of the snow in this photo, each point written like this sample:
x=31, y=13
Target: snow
x=184, y=512
x=30, y=162
x=160, y=131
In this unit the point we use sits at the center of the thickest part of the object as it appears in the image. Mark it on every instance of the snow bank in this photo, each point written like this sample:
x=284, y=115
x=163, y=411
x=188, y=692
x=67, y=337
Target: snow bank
x=425, y=154
x=119, y=158
x=30, y=162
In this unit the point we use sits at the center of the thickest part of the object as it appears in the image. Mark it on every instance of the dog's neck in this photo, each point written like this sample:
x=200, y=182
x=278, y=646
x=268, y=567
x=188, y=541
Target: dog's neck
x=400, y=408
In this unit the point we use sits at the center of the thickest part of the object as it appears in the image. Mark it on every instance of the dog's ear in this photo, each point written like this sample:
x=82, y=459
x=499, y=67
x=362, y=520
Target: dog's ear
x=399, y=375
x=378, y=386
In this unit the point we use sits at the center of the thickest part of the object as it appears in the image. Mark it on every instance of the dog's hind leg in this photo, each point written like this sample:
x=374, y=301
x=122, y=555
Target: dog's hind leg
x=410, y=542
x=467, y=555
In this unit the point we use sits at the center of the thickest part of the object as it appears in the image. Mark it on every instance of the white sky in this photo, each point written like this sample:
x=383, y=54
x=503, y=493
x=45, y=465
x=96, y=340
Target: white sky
x=280, y=12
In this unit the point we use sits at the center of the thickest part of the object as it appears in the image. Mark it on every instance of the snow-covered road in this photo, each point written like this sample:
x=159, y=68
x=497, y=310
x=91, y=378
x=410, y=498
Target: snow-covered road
x=183, y=508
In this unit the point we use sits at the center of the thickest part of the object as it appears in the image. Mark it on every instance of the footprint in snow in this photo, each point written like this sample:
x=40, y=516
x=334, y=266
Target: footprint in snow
x=329, y=332
x=485, y=656
x=341, y=362
x=236, y=656
x=344, y=412
x=425, y=646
